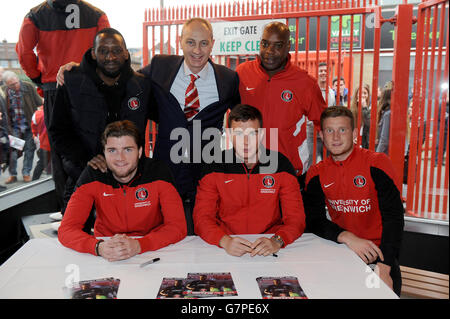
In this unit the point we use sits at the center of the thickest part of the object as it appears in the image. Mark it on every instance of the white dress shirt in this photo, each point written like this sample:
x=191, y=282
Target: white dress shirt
x=206, y=85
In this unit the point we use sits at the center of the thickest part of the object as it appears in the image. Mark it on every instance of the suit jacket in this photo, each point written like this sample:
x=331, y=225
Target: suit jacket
x=162, y=72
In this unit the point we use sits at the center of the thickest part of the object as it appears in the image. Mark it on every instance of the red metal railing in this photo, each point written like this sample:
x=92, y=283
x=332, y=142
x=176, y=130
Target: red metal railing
x=427, y=194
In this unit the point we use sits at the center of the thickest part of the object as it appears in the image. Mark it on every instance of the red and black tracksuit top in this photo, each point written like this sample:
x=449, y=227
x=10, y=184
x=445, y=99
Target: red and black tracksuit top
x=60, y=35
x=286, y=101
x=361, y=197
x=232, y=199
x=147, y=206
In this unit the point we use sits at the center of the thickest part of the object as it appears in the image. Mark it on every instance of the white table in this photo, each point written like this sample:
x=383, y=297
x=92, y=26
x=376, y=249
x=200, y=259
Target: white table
x=324, y=269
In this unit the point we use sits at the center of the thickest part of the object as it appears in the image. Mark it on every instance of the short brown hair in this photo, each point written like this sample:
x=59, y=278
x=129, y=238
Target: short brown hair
x=119, y=129
x=336, y=111
x=243, y=113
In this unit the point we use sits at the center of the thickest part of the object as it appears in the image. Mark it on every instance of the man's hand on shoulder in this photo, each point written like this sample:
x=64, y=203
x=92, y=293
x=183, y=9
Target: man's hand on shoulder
x=365, y=249
x=62, y=69
x=98, y=162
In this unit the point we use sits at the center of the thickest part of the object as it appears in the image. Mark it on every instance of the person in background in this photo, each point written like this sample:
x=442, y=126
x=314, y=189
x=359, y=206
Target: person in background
x=323, y=72
x=357, y=187
x=21, y=101
x=53, y=33
x=343, y=92
x=135, y=197
x=1, y=75
x=4, y=141
x=364, y=108
x=384, y=119
x=40, y=136
x=244, y=194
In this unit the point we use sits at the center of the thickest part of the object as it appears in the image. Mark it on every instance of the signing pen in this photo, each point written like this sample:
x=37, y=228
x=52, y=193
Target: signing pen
x=150, y=262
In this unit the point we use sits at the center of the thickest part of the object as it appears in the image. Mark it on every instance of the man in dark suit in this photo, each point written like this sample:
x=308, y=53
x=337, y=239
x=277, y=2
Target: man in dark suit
x=192, y=93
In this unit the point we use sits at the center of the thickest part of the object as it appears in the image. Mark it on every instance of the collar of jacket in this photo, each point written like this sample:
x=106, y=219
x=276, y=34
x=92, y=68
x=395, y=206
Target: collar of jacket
x=167, y=82
x=61, y=5
x=349, y=159
x=238, y=165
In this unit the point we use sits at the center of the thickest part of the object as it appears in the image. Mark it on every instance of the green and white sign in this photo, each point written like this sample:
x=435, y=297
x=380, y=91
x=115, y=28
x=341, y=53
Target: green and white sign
x=240, y=37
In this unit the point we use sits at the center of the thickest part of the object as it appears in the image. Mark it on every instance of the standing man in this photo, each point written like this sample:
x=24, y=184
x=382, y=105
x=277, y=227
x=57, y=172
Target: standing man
x=190, y=91
x=103, y=89
x=53, y=33
x=21, y=101
x=135, y=197
x=328, y=97
x=1, y=75
x=251, y=191
x=357, y=186
x=285, y=95
x=323, y=84
x=343, y=92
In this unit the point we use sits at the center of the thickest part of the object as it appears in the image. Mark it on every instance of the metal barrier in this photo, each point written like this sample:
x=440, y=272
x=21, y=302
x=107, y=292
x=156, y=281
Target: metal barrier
x=427, y=194
x=345, y=34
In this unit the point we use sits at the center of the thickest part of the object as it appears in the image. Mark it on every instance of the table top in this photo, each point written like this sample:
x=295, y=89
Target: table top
x=42, y=267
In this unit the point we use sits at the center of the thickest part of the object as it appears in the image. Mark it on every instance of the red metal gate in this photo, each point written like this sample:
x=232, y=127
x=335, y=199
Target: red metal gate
x=427, y=192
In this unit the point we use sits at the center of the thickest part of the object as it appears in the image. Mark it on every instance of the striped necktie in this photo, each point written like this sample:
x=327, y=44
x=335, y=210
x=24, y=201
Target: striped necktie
x=192, y=102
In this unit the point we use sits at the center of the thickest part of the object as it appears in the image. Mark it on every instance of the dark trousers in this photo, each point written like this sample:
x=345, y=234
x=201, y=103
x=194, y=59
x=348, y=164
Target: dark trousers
x=43, y=163
x=59, y=176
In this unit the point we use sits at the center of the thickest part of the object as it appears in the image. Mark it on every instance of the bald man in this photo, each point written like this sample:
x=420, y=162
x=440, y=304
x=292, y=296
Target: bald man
x=173, y=78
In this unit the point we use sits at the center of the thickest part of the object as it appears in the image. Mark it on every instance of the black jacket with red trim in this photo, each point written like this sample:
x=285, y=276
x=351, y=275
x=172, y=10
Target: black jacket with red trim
x=147, y=206
x=59, y=34
x=234, y=200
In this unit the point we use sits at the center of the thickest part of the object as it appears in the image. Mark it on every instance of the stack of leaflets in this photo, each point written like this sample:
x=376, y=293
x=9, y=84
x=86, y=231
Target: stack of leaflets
x=198, y=285
x=280, y=288
x=104, y=288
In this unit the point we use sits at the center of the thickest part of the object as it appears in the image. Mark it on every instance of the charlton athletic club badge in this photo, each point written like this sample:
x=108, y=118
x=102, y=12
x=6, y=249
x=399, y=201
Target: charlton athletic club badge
x=268, y=181
x=287, y=96
x=141, y=194
x=133, y=103
x=359, y=181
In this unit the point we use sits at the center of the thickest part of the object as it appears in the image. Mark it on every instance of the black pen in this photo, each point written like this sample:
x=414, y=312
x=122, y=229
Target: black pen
x=274, y=255
x=150, y=262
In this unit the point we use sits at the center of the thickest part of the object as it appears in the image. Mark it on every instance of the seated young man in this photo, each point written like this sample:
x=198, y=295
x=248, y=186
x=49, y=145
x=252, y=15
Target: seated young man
x=357, y=186
x=135, y=197
x=243, y=193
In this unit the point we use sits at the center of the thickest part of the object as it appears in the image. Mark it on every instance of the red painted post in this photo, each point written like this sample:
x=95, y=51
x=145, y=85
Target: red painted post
x=376, y=64
x=399, y=98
